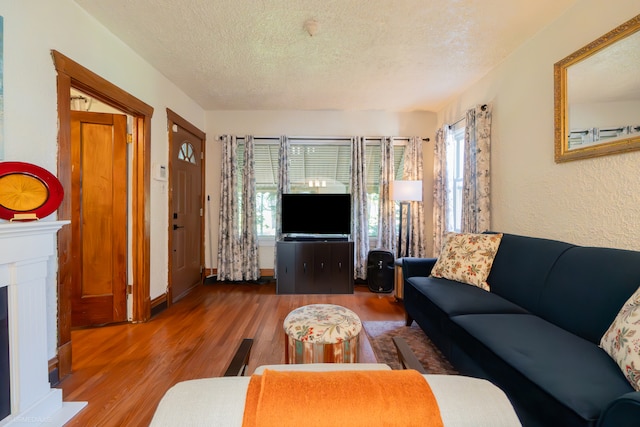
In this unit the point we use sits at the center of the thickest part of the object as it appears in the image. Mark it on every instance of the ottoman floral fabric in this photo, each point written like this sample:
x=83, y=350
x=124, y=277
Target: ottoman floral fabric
x=322, y=333
x=322, y=324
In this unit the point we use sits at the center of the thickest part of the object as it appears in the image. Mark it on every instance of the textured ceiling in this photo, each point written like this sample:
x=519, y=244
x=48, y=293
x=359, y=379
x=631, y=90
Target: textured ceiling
x=400, y=55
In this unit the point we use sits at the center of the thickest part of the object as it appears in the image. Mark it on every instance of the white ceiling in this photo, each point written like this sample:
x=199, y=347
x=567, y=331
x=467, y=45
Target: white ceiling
x=400, y=55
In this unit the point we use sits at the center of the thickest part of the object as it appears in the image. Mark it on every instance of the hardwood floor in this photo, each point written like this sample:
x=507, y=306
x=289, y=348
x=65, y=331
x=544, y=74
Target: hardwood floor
x=124, y=370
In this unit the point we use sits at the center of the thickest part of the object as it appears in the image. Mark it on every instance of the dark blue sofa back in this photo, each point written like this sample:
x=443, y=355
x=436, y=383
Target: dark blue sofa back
x=521, y=266
x=587, y=287
x=580, y=289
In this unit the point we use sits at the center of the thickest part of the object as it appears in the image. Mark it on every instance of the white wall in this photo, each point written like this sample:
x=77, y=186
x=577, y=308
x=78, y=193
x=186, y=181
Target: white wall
x=32, y=28
x=588, y=202
x=307, y=123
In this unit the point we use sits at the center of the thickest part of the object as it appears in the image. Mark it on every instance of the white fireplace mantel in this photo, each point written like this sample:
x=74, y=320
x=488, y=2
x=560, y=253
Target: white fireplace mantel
x=25, y=250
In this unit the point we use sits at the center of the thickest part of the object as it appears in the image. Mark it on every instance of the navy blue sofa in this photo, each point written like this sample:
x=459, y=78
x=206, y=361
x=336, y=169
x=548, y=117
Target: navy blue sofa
x=536, y=334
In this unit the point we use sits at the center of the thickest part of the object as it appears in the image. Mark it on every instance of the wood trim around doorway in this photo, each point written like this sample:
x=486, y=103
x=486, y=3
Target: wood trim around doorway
x=70, y=74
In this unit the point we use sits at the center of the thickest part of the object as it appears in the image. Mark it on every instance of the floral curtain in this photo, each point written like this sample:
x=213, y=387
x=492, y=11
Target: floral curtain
x=359, y=230
x=386, y=206
x=441, y=195
x=229, y=245
x=413, y=172
x=283, y=187
x=250, y=265
x=476, y=190
x=238, y=238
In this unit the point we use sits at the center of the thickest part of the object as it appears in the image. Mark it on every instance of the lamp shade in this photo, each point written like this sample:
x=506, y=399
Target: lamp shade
x=406, y=191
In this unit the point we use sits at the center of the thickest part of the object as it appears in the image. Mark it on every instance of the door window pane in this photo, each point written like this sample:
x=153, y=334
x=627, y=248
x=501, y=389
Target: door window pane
x=187, y=153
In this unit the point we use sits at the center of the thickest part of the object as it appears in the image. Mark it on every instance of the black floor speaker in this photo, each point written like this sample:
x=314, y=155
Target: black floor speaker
x=380, y=265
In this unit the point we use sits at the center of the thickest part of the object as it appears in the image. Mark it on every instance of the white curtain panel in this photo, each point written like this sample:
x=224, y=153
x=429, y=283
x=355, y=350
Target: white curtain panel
x=386, y=206
x=413, y=172
x=250, y=265
x=229, y=246
x=359, y=225
x=476, y=190
x=441, y=194
x=283, y=187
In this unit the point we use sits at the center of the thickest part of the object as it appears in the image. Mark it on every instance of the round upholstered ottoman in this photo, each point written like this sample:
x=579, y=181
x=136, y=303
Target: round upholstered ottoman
x=321, y=333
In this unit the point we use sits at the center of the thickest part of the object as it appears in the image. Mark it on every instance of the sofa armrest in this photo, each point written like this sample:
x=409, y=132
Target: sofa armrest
x=421, y=267
x=622, y=412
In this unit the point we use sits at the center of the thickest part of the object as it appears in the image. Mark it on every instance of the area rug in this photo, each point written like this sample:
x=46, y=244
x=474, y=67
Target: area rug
x=380, y=334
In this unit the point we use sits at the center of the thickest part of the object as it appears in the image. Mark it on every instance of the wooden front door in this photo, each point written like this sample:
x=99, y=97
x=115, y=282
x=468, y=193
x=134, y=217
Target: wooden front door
x=187, y=211
x=99, y=218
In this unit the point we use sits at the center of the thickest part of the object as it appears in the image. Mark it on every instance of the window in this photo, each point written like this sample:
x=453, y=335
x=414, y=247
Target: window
x=315, y=165
x=373, y=179
x=187, y=153
x=455, y=171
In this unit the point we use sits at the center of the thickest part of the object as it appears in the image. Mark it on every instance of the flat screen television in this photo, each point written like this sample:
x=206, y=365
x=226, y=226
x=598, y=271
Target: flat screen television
x=316, y=214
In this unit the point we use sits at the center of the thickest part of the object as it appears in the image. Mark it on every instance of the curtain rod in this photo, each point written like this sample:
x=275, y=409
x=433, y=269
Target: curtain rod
x=332, y=138
x=483, y=108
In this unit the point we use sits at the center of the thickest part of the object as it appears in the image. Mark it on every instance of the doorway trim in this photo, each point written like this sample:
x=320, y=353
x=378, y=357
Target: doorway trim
x=70, y=74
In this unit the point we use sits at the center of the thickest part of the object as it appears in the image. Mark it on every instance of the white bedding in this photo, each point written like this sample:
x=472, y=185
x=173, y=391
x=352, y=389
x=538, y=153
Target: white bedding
x=463, y=401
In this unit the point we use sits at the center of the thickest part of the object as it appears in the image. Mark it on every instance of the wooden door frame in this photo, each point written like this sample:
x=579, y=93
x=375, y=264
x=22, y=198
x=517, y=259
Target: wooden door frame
x=174, y=118
x=70, y=74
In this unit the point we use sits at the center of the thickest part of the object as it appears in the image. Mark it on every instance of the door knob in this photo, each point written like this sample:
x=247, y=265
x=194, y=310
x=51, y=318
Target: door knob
x=175, y=227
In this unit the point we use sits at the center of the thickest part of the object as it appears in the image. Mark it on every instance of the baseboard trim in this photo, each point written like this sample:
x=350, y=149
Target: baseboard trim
x=159, y=304
x=64, y=360
x=266, y=276
x=54, y=377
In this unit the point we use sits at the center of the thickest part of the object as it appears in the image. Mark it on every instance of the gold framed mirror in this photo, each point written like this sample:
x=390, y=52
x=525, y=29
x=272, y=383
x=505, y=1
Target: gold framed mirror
x=597, y=96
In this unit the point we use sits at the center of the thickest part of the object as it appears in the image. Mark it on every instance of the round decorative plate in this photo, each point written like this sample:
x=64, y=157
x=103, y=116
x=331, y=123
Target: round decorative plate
x=27, y=191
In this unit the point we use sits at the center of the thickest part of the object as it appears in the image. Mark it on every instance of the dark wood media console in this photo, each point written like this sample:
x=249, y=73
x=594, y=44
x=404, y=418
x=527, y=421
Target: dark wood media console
x=314, y=267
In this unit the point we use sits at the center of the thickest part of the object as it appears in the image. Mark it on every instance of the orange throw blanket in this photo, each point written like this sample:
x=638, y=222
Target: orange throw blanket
x=340, y=398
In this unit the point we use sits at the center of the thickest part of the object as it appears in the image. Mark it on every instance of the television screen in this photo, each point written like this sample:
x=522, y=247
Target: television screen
x=316, y=213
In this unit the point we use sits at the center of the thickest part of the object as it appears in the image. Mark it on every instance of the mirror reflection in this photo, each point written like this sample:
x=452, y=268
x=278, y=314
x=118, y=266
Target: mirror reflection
x=603, y=93
x=597, y=96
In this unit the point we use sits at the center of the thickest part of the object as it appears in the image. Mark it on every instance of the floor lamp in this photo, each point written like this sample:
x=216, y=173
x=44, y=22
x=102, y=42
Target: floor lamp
x=405, y=192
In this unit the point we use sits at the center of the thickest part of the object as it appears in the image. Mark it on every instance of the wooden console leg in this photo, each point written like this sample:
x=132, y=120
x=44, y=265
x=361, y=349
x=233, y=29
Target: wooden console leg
x=408, y=359
x=240, y=360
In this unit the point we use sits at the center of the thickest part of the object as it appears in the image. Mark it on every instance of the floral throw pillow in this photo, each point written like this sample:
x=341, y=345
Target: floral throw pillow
x=467, y=258
x=622, y=340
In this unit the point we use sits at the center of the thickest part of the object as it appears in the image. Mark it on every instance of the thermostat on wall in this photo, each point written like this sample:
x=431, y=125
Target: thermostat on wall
x=160, y=172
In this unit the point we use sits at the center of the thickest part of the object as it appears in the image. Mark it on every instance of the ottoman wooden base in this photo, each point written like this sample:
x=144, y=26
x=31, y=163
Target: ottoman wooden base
x=305, y=352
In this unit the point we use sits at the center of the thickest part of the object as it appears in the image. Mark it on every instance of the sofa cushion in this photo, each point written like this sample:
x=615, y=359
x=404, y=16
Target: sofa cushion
x=467, y=258
x=521, y=266
x=622, y=340
x=453, y=298
x=586, y=288
x=573, y=371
